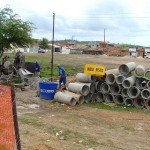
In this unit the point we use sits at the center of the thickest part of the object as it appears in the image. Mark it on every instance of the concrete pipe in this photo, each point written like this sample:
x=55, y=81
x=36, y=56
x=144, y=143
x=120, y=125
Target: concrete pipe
x=124, y=92
x=119, y=100
x=119, y=79
x=93, y=97
x=109, y=98
x=139, y=102
x=148, y=85
x=147, y=104
x=115, y=89
x=98, y=85
x=147, y=74
x=79, y=98
x=133, y=92
x=65, y=98
x=145, y=94
x=105, y=88
x=100, y=97
x=94, y=78
x=139, y=71
x=112, y=71
x=125, y=69
x=83, y=78
x=78, y=88
x=141, y=83
x=110, y=79
x=128, y=101
x=90, y=85
x=128, y=82
x=87, y=98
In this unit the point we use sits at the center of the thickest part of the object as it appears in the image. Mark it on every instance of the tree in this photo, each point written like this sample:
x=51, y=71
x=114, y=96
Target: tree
x=44, y=43
x=13, y=29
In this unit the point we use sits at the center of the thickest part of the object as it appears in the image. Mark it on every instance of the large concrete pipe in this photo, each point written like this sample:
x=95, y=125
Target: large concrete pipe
x=124, y=92
x=84, y=78
x=141, y=83
x=100, y=97
x=125, y=69
x=133, y=92
x=87, y=98
x=94, y=78
x=110, y=79
x=65, y=98
x=128, y=82
x=128, y=101
x=148, y=85
x=105, y=88
x=112, y=71
x=90, y=85
x=98, y=85
x=145, y=94
x=78, y=88
x=79, y=98
x=109, y=98
x=119, y=79
x=115, y=89
x=139, y=71
x=147, y=103
x=119, y=100
x=139, y=102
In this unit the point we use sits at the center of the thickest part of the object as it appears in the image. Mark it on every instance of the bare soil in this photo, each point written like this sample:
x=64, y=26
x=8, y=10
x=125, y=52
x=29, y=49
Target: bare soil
x=48, y=125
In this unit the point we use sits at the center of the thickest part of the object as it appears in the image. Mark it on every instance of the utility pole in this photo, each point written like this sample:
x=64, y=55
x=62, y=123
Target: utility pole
x=52, y=48
x=104, y=40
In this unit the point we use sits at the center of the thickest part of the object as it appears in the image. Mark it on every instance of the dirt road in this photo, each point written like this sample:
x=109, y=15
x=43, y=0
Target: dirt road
x=46, y=125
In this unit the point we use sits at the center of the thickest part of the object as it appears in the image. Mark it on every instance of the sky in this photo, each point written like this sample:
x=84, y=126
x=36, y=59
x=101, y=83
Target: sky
x=124, y=21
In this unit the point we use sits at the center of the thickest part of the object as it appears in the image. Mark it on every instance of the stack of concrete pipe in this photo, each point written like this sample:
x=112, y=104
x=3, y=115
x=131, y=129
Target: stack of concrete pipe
x=125, y=85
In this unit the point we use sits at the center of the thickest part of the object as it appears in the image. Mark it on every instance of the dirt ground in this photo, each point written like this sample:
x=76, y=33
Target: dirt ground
x=47, y=125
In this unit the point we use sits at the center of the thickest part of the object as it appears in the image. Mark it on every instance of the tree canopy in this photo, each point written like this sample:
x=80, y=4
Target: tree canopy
x=13, y=29
x=44, y=43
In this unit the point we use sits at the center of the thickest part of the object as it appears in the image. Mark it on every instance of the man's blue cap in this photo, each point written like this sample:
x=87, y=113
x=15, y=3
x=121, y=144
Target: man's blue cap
x=58, y=65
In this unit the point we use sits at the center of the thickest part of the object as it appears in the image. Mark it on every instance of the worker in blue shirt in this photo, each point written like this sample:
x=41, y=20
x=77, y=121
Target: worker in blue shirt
x=37, y=68
x=62, y=76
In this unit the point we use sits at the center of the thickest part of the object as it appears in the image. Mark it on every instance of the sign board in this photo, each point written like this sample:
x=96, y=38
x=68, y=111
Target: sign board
x=96, y=70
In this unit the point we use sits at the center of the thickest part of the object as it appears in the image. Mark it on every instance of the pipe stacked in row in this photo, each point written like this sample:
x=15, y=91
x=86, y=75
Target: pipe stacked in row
x=126, y=85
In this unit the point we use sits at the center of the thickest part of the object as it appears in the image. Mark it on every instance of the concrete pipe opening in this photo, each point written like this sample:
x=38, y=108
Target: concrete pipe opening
x=119, y=79
x=128, y=101
x=94, y=78
x=147, y=104
x=126, y=84
x=81, y=100
x=148, y=85
x=110, y=79
x=115, y=89
x=133, y=92
x=147, y=74
x=141, y=83
x=139, y=103
x=98, y=85
x=125, y=69
x=93, y=97
x=119, y=100
x=100, y=97
x=109, y=98
x=124, y=92
x=85, y=90
x=105, y=88
x=87, y=98
x=145, y=94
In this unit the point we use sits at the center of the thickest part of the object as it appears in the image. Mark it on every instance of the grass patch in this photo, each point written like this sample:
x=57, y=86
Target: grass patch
x=111, y=107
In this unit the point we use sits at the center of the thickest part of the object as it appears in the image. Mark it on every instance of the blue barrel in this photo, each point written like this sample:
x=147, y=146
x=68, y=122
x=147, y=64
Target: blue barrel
x=47, y=90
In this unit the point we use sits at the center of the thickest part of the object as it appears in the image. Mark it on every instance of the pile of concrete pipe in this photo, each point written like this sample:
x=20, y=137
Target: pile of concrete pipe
x=127, y=85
